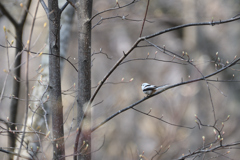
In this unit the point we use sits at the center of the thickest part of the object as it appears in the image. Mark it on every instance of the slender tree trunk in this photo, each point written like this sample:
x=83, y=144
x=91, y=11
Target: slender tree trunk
x=55, y=80
x=84, y=13
x=17, y=69
x=16, y=88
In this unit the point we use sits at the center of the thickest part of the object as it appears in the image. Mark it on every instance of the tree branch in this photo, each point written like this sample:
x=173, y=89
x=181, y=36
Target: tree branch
x=24, y=17
x=111, y=9
x=63, y=7
x=7, y=14
x=212, y=23
x=13, y=153
x=45, y=7
x=144, y=19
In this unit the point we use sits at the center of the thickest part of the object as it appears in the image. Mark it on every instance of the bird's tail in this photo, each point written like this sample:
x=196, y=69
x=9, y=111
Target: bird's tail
x=163, y=86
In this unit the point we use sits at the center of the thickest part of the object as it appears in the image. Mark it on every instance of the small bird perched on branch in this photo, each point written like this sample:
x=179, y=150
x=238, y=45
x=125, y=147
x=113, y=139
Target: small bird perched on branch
x=150, y=89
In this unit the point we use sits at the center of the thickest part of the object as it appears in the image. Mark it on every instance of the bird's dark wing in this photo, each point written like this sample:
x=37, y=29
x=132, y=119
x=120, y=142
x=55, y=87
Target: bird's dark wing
x=149, y=88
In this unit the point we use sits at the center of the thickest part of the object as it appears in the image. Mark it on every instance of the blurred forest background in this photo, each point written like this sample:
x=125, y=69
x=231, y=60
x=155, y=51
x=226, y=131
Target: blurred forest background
x=129, y=134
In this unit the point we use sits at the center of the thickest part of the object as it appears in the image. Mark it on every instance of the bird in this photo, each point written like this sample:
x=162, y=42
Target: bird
x=150, y=89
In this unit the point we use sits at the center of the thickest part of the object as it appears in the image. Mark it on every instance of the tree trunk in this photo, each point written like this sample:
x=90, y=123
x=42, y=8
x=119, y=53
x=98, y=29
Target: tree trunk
x=55, y=80
x=16, y=88
x=84, y=13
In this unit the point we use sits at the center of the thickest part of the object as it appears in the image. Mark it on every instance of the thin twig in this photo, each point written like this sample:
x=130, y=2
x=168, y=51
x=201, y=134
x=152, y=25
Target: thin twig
x=121, y=17
x=111, y=9
x=177, y=125
x=153, y=59
x=63, y=7
x=144, y=19
x=71, y=3
x=13, y=153
x=66, y=59
x=45, y=7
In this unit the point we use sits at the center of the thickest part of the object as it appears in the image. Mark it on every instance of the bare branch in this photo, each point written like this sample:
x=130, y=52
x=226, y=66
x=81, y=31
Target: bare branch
x=120, y=17
x=63, y=7
x=152, y=59
x=66, y=59
x=45, y=7
x=160, y=119
x=13, y=153
x=8, y=15
x=100, y=52
x=24, y=17
x=111, y=9
x=144, y=19
x=207, y=150
x=212, y=23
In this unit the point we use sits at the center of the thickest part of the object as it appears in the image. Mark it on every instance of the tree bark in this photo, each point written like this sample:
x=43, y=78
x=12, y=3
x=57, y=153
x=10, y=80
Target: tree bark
x=55, y=81
x=84, y=13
